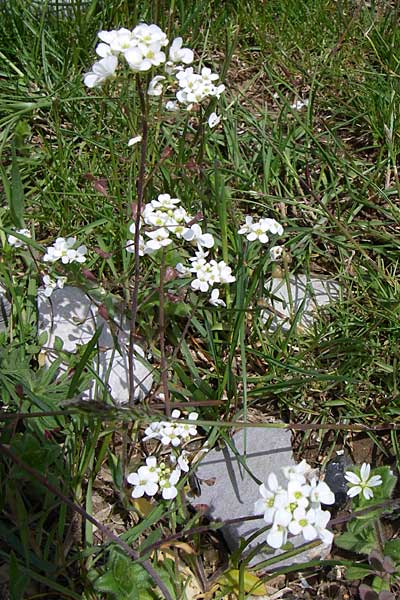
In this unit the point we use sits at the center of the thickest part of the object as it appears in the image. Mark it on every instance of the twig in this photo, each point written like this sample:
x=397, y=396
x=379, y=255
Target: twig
x=76, y=508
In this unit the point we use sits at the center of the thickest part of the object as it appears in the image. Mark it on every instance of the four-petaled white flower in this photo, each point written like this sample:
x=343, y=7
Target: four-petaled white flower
x=155, y=86
x=213, y=120
x=215, y=300
x=16, y=242
x=178, y=54
x=159, y=239
x=362, y=483
x=101, y=71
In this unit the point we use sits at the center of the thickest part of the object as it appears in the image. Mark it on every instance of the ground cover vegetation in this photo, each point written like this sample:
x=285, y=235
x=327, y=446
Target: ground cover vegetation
x=169, y=175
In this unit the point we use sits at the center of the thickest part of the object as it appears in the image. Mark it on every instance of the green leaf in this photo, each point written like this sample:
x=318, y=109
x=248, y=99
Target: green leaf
x=83, y=362
x=357, y=572
x=16, y=198
x=392, y=549
x=17, y=579
x=347, y=541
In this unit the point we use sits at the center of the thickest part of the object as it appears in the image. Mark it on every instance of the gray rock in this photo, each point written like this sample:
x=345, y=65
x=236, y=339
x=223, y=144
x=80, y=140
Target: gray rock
x=5, y=309
x=334, y=477
x=71, y=316
x=300, y=299
x=229, y=491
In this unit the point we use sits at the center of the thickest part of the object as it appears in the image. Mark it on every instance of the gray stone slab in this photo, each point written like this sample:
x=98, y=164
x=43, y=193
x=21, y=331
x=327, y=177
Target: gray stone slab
x=229, y=491
x=70, y=315
x=300, y=298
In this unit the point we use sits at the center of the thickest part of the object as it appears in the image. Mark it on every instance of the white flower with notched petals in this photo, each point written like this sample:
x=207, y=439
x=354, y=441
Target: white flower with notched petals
x=16, y=242
x=272, y=226
x=298, y=493
x=155, y=86
x=168, y=486
x=149, y=35
x=177, y=54
x=101, y=71
x=165, y=202
x=144, y=483
x=158, y=239
x=362, y=483
x=303, y=522
x=246, y=227
x=320, y=492
x=213, y=120
x=297, y=472
x=194, y=235
x=52, y=284
x=215, y=300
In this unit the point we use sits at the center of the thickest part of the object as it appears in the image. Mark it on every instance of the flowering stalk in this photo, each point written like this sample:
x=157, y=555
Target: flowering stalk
x=163, y=361
x=139, y=191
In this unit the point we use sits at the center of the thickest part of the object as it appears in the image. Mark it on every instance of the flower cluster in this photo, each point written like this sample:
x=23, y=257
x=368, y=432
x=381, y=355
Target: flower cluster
x=165, y=217
x=207, y=274
x=158, y=477
x=162, y=477
x=259, y=230
x=296, y=507
x=362, y=483
x=142, y=49
x=63, y=249
x=16, y=242
x=170, y=433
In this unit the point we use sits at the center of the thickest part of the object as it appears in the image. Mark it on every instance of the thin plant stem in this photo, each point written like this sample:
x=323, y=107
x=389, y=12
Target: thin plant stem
x=139, y=192
x=163, y=360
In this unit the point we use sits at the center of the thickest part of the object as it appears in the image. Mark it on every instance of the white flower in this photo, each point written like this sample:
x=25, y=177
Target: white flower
x=155, y=86
x=178, y=54
x=213, y=120
x=172, y=106
x=276, y=252
x=215, y=299
x=159, y=239
x=195, y=235
x=144, y=482
x=298, y=493
x=272, y=226
x=362, y=483
x=277, y=535
x=299, y=104
x=167, y=486
x=149, y=35
x=266, y=504
x=223, y=273
x=297, y=472
x=165, y=202
x=320, y=492
x=101, y=71
x=246, y=227
x=16, y=242
x=63, y=249
x=134, y=140
x=50, y=284
x=303, y=522
x=321, y=519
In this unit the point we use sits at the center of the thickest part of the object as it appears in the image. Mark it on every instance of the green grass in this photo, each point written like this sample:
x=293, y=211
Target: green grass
x=328, y=173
